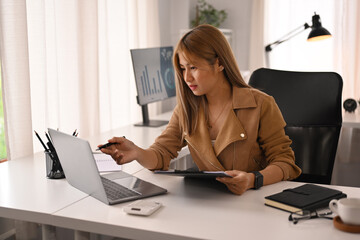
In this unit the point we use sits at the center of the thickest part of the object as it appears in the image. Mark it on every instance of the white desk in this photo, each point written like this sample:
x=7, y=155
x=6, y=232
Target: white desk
x=194, y=209
x=351, y=120
x=26, y=193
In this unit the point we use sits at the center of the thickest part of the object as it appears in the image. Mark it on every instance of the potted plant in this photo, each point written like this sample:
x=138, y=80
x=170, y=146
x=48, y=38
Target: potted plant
x=207, y=14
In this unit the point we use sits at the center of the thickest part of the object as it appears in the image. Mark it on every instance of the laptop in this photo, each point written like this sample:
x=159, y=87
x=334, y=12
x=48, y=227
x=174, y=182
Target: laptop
x=78, y=163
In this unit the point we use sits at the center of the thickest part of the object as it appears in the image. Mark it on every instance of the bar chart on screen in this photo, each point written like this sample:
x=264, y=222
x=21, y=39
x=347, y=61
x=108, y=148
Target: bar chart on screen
x=154, y=74
x=155, y=87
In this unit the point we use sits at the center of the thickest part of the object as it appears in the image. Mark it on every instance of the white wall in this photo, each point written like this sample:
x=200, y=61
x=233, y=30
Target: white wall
x=239, y=15
x=176, y=15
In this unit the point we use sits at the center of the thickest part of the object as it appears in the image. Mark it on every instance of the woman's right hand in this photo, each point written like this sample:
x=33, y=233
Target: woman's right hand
x=123, y=151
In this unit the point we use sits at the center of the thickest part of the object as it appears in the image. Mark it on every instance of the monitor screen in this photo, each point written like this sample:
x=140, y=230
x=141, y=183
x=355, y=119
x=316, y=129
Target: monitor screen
x=154, y=74
x=154, y=78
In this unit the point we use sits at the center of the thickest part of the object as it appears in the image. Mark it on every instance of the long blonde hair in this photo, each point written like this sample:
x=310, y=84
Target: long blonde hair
x=208, y=43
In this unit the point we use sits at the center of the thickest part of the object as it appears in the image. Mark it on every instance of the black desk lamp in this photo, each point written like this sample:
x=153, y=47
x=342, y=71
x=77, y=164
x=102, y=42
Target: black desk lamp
x=317, y=33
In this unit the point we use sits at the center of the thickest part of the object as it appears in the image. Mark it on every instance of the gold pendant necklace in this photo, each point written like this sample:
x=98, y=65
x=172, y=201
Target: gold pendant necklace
x=211, y=125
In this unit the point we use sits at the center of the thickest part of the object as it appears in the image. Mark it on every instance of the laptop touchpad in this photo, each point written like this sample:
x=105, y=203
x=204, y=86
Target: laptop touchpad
x=129, y=182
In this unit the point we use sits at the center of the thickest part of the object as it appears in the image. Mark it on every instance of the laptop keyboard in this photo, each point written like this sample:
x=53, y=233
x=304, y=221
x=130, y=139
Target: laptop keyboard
x=116, y=191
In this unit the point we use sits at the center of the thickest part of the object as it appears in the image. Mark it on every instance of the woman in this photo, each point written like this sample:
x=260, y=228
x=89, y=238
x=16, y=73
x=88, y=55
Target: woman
x=226, y=124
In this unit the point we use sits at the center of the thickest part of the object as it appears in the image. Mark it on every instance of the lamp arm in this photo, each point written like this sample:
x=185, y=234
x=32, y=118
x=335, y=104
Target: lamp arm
x=286, y=37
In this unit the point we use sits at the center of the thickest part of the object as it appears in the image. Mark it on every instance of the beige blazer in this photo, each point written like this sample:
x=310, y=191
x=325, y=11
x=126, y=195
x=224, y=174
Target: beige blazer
x=251, y=138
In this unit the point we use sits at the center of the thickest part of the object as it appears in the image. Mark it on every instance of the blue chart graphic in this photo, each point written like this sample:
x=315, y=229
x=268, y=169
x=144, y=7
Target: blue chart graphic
x=154, y=74
x=146, y=86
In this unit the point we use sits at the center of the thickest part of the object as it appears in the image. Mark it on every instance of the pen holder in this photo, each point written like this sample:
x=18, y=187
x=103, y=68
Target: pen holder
x=53, y=166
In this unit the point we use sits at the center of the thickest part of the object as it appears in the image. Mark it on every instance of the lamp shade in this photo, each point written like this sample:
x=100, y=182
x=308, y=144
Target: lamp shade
x=317, y=31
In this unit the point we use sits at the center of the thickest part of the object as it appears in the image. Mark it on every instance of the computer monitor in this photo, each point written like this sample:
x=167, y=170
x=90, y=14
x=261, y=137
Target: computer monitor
x=154, y=78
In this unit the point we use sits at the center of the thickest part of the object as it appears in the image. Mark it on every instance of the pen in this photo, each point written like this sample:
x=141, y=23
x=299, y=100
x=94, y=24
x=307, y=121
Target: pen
x=42, y=143
x=74, y=133
x=51, y=147
x=53, y=153
x=48, y=138
x=54, y=157
x=107, y=145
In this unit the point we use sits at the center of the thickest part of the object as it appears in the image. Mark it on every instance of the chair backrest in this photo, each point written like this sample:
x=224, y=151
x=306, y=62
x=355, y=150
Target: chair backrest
x=311, y=106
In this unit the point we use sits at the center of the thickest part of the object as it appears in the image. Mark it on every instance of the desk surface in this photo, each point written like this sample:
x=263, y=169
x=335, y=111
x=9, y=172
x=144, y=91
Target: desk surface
x=198, y=209
x=193, y=209
x=351, y=120
x=26, y=193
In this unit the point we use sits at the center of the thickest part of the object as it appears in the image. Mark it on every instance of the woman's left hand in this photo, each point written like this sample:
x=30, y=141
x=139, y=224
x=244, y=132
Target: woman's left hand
x=239, y=183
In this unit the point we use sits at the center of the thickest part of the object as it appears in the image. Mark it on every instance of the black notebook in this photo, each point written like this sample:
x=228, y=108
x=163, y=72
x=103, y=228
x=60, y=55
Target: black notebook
x=306, y=197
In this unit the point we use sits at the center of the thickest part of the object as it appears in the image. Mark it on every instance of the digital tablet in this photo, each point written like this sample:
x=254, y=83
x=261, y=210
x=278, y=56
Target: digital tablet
x=194, y=174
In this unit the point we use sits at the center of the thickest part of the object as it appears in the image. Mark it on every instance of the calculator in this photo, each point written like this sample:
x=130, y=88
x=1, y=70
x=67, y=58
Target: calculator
x=142, y=207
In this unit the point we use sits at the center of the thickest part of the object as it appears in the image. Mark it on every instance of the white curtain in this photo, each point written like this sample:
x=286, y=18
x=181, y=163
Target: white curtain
x=66, y=64
x=15, y=78
x=257, y=34
x=347, y=51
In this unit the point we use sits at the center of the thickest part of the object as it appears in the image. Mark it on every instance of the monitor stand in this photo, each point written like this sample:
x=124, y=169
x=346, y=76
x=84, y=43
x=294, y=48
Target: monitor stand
x=149, y=123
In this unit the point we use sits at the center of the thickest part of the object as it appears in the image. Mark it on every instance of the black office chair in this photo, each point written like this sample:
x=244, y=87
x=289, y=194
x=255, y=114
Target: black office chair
x=311, y=106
